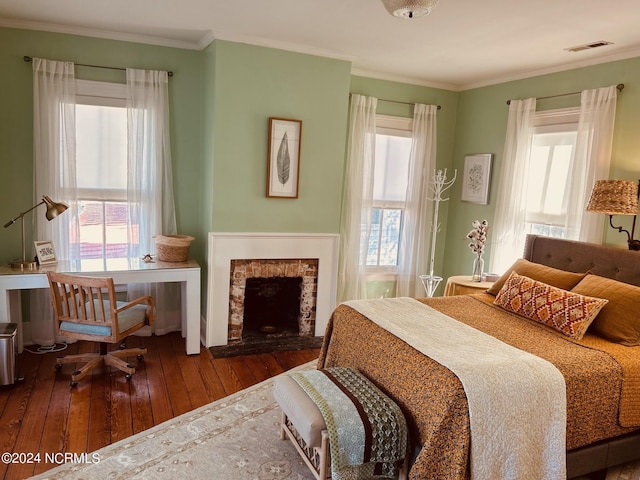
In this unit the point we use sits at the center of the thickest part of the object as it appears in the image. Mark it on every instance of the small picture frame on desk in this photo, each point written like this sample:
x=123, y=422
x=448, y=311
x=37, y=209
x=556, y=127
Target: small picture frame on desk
x=45, y=252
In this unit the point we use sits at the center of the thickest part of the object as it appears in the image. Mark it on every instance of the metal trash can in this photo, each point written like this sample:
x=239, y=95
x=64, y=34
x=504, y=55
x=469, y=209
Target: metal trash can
x=7, y=353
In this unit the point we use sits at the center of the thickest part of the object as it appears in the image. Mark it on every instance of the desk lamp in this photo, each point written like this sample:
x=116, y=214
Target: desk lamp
x=616, y=197
x=53, y=210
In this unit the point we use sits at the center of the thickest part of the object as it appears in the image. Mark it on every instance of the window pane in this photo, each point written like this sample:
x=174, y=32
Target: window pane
x=551, y=157
x=101, y=147
x=373, y=249
x=103, y=230
x=384, y=238
x=91, y=229
x=391, y=168
x=390, y=237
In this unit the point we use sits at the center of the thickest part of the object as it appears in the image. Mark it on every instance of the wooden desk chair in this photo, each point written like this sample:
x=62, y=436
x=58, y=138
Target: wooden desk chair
x=86, y=309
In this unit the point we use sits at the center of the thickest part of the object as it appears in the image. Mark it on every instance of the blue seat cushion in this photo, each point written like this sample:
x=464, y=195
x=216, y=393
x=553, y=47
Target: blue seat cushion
x=127, y=319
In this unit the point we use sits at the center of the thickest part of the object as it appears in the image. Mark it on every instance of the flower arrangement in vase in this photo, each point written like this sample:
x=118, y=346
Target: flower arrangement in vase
x=478, y=238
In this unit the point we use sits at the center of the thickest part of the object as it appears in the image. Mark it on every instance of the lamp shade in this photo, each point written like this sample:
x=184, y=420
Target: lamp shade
x=614, y=197
x=53, y=208
x=409, y=8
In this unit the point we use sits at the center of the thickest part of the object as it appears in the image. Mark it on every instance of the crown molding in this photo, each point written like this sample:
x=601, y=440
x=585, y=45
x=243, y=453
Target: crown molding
x=614, y=57
x=359, y=72
x=106, y=34
x=287, y=46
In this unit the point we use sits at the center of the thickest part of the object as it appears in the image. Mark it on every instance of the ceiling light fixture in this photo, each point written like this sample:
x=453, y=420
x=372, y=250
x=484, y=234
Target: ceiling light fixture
x=409, y=8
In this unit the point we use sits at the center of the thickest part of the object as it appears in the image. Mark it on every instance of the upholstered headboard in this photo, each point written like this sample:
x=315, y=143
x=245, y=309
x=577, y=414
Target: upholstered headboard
x=616, y=263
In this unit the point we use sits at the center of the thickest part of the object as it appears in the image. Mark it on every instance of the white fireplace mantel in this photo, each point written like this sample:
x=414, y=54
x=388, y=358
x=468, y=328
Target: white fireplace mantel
x=224, y=247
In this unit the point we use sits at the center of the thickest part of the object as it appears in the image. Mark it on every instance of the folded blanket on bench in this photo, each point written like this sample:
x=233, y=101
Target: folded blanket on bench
x=367, y=430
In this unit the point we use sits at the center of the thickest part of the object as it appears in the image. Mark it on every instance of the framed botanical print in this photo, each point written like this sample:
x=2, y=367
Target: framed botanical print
x=283, y=165
x=475, y=178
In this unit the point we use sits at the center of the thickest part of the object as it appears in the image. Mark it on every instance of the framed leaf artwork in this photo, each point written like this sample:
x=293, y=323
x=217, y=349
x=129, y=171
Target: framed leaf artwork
x=283, y=166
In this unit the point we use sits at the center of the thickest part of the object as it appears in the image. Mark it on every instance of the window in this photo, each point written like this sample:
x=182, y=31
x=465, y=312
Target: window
x=391, y=171
x=101, y=171
x=551, y=163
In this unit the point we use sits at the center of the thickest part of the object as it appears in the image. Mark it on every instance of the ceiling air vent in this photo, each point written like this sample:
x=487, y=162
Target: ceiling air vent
x=588, y=46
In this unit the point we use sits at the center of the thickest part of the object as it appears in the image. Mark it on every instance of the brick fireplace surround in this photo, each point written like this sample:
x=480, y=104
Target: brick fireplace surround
x=241, y=270
x=282, y=252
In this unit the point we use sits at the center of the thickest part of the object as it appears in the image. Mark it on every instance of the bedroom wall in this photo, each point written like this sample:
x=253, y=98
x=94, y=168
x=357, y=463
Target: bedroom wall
x=221, y=98
x=481, y=125
x=251, y=84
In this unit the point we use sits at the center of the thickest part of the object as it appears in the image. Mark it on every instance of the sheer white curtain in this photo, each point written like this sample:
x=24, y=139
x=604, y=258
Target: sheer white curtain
x=417, y=217
x=591, y=161
x=150, y=185
x=508, y=229
x=54, y=157
x=357, y=197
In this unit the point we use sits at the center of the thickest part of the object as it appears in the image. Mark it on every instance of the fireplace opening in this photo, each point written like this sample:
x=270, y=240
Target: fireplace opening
x=272, y=306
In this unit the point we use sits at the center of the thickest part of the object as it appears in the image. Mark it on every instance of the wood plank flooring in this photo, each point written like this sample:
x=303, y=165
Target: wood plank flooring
x=42, y=414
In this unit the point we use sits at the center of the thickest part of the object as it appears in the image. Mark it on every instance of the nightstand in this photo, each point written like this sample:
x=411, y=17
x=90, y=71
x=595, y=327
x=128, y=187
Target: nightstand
x=462, y=284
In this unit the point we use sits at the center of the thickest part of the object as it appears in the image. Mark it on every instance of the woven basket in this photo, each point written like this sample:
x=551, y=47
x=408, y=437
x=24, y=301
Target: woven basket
x=173, y=248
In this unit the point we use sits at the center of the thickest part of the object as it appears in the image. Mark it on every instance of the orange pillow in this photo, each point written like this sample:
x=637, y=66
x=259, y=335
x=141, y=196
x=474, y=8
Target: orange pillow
x=567, y=312
x=619, y=320
x=536, y=271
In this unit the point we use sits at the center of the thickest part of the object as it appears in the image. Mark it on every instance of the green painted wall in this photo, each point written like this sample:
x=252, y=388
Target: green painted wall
x=16, y=130
x=255, y=83
x=481, y=126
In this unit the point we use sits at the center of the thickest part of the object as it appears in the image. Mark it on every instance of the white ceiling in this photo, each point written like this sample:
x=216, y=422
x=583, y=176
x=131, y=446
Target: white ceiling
x=462, y=44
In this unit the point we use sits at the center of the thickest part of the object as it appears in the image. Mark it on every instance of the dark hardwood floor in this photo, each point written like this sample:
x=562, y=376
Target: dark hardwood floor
x=42, y=414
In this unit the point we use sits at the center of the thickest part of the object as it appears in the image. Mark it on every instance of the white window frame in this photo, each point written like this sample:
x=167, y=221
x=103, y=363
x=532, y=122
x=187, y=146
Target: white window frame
x=105, y=94
x=554, y=121
x=399, y=127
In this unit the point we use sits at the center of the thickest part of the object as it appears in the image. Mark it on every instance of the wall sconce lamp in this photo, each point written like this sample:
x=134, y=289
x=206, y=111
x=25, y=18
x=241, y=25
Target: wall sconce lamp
x=53, y=210
x=616, y=197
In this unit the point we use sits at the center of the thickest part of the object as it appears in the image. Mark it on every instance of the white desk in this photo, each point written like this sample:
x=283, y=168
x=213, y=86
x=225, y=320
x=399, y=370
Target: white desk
x=122, y=271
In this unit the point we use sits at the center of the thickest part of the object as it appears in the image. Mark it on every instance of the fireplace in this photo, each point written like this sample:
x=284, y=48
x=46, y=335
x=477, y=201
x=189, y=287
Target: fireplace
x=271, y=305
x=282, y=293
x=240, y=256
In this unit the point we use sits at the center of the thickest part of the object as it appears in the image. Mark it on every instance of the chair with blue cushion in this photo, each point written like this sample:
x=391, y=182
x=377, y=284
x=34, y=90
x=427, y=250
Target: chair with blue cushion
x=86, y=309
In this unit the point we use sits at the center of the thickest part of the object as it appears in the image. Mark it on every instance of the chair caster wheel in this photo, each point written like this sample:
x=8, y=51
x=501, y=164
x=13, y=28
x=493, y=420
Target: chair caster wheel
x=74, y=384
x=128, y=376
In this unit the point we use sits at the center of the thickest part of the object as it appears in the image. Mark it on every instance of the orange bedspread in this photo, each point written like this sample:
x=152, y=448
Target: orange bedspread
x=433, y=399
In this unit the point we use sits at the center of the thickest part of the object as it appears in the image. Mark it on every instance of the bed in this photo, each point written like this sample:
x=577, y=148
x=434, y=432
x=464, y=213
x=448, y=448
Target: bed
x=602, y=375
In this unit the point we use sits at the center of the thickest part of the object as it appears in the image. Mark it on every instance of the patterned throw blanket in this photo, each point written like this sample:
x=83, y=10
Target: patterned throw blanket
x=367, y=430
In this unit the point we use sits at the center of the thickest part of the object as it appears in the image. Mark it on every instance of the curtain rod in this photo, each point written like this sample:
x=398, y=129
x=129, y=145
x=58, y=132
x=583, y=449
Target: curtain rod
x=402, y=103
x=620, y=87
x=26, y=58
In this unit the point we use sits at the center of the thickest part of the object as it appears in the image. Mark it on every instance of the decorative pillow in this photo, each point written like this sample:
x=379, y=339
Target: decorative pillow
x=549, y=275
x=567, y=312
x=619, y=320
